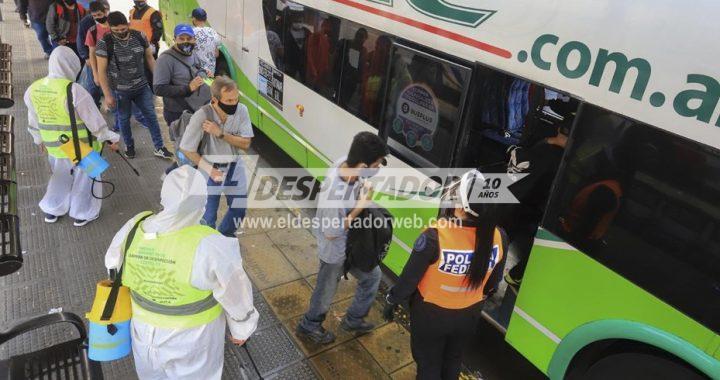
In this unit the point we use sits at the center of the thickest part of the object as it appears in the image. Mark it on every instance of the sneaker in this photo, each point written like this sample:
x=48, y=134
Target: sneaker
x=130, y=152
x=320, y=336
x=362, y=327
x=49, y=218
x=163, y=153
x=81, y=222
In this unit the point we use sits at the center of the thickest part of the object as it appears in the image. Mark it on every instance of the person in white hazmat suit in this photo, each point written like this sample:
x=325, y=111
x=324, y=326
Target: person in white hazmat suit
x=178, y=324
x=69, y=188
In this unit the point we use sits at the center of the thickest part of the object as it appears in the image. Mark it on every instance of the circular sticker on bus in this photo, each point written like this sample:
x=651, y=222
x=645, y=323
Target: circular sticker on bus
x=417, y=116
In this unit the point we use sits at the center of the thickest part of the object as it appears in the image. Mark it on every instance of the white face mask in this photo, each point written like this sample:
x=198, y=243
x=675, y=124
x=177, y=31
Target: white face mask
x=296, y=26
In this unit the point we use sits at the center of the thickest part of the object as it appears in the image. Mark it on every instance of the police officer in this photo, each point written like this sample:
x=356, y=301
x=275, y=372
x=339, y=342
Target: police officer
x=148, y=20
x=69, y=188
x=455, y=265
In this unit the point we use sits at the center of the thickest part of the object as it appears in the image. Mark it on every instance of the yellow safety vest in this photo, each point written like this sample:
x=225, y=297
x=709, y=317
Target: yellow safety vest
x=157, y=271
x=49, y=99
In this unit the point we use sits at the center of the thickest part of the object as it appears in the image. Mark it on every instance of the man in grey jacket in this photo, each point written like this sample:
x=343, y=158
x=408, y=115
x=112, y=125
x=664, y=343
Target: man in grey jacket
x=62, y=23
x=36, y=11
x=179, y=77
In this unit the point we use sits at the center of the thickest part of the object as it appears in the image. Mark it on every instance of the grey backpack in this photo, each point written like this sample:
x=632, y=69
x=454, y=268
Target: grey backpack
x=177, y=130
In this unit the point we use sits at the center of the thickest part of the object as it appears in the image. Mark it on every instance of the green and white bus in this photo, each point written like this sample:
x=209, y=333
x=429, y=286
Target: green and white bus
x=454, y=83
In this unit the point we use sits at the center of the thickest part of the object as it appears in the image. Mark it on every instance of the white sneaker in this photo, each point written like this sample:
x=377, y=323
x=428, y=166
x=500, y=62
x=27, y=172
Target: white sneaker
x=81, y=222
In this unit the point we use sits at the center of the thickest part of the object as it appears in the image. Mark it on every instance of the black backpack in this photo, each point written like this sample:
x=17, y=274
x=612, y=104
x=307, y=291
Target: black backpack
x=368, y=239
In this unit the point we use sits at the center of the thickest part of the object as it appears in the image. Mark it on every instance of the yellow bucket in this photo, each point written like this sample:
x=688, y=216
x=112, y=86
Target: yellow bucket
x=123, y=308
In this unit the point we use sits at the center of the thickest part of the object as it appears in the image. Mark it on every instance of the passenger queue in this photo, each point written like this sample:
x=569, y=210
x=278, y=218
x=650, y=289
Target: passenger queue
x=118, y=65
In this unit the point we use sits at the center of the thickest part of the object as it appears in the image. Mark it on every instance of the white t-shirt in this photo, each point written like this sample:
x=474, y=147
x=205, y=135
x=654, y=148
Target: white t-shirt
x=208, y=40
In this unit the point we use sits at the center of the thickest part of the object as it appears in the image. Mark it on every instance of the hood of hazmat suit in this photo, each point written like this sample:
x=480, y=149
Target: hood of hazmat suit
x=183, y=197
x=64, y=63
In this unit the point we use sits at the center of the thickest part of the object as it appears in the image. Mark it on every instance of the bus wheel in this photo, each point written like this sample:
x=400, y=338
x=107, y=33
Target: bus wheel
x=637, y=365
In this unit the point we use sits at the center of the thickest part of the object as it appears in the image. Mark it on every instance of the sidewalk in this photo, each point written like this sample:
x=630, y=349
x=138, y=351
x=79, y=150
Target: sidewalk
x=63, y=263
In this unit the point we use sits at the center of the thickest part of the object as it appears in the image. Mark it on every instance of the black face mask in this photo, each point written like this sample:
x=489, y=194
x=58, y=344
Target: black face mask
x=229, y=109
x=122, y=35
x=186, y=48
x=69, y=2
x=140, y=4
x=101, y=20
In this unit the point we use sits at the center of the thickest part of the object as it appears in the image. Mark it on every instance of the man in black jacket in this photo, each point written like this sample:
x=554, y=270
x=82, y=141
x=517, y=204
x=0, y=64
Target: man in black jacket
x=36, y=12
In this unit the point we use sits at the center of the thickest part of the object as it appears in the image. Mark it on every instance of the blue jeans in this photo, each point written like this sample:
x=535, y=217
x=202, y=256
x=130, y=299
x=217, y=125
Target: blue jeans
x=88, y=83
x=43, y=36
x=234, y=186
x=327, y=283
x=136, y=114
x=143, y=99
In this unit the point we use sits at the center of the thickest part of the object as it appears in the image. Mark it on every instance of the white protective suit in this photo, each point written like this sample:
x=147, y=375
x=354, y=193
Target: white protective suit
x=70, y=190
x=195, y=353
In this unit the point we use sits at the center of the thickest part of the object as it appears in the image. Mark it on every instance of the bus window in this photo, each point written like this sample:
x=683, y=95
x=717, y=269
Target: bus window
x=511, y=111
x=322, y=54
x=644, y=203
x=274, y=28
x=362, y=69
x=424, y=106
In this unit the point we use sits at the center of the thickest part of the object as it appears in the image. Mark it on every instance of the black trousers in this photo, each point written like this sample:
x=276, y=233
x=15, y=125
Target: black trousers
x=438, y=338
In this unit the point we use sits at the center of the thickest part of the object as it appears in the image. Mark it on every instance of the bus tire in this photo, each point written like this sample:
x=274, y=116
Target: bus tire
x=636, y=362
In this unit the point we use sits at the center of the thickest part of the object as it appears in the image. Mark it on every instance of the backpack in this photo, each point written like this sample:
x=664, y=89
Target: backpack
x=177, y=130
x=368, y=241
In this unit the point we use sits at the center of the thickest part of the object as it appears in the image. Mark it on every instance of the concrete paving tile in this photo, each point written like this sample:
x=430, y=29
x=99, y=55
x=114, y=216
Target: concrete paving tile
x=288, y=300
x=346, y=288
x=298, y=246
x=270, y=216
x=408, y=372
x=299, y=371
x=264, y=263
x=332, y=324
x=389, y=345
x=349, y=360
x=272, y=350
x=374, y=316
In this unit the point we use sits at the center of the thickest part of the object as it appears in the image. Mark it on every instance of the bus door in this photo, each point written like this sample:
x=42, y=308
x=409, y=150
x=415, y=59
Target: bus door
x=513, y=125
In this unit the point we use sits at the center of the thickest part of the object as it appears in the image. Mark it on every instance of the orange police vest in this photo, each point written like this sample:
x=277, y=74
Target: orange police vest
x=143, y=24
x=444, y=283
x=579, y=204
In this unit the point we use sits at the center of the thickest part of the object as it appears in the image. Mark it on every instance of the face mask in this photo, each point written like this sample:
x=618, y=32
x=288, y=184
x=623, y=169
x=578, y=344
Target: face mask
x=140, y=4
x=229, y=109
x=369, y=172
x=122, y=35
x=69, y=2
x=101, y=20
x=296, y=26
x=186, y=48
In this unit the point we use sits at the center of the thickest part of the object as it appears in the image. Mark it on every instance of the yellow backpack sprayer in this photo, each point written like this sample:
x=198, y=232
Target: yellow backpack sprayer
x=109, y=335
